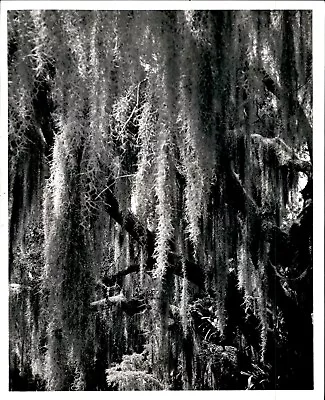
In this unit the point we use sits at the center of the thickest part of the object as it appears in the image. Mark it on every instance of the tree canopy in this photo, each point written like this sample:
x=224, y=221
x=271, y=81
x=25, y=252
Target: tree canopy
x=158, y=234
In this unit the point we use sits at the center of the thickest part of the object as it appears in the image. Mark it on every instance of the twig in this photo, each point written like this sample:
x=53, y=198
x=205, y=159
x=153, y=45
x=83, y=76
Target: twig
x=109, y=186
x=135, y=107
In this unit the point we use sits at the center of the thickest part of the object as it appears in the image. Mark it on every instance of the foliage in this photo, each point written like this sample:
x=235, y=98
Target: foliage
x=257, y=379
x=132, y=374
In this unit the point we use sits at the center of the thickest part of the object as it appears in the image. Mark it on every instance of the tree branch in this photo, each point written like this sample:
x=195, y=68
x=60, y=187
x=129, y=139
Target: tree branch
x=131, y=307
x=193, y=271
x=245, y=200
x=146, y=238
x=111, y=279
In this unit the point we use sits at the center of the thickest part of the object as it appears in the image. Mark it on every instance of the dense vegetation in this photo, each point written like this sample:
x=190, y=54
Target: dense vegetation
x=159, y=236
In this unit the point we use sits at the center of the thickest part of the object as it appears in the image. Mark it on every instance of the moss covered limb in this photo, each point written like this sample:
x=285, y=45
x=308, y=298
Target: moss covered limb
x=145, y=237
x=129, y=306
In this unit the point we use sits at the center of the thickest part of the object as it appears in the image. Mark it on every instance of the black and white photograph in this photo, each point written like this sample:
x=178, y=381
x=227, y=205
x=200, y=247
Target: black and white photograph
x=160, y=198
